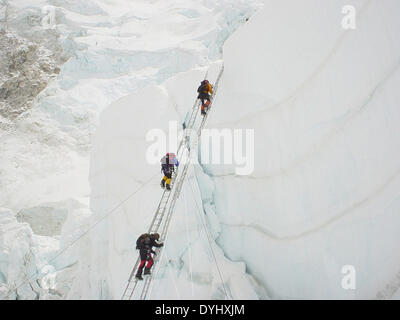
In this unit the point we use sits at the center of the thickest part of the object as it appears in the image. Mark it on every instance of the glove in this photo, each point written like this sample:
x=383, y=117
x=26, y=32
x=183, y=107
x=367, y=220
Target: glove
x=161, y=245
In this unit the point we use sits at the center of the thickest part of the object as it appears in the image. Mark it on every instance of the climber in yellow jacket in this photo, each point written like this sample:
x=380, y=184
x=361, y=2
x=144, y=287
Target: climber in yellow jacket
x=204, y=91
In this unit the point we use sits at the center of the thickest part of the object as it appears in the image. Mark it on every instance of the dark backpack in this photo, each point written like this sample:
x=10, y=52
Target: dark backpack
x=202, y=88
x=141, y=240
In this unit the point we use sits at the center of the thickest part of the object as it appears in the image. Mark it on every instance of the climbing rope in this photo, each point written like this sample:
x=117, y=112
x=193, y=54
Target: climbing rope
x=62, y=251
x=209, y=242
x=169, y=202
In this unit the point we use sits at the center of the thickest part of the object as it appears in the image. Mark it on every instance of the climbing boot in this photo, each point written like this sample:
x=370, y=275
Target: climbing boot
x=146, y=272
x=163, y=183
x=168, y=187
x=139, y=274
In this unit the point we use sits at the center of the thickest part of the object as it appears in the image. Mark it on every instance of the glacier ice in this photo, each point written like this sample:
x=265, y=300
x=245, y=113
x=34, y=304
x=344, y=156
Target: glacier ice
x=324, y=193
x=104, y=51
x=191, y=263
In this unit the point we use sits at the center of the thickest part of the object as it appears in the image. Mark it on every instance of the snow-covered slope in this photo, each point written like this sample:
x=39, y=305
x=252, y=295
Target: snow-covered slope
x=324, y=104
x=91, y=53
x=112, y=50
x=120, y=171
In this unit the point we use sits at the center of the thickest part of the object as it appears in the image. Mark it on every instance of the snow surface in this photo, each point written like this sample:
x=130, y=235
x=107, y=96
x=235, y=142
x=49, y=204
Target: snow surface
x=119, y=167
x=325, y=190
x=112, y=49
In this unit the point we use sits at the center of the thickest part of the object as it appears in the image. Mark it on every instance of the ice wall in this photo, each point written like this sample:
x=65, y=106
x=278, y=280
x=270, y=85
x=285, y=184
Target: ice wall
x=21, y=256
x=96, y=52
x=102, y=51
x=126, y=191
x=323, y=102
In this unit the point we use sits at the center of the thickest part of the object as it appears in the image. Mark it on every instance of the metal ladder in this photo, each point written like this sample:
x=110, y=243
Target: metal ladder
x=157, y=219
x=176, y=195
x=165, y=199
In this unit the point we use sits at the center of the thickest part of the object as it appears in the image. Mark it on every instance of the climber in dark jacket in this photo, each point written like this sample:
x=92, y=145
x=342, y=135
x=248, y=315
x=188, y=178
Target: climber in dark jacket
x=145, y=244
x=168, y=163
x=204, y=91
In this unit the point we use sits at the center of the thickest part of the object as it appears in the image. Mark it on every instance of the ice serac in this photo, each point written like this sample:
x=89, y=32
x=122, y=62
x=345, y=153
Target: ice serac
x=56, y=79
x=16, y=254
x=126, y=190
x=323, y=102
x=17, y=259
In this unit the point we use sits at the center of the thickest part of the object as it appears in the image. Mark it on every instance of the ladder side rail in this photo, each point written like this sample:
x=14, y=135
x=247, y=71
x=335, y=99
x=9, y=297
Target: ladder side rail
x=161, y=209
x=177, y=191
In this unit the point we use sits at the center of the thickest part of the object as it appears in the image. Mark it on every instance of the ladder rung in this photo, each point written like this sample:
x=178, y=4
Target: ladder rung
x=163, y=204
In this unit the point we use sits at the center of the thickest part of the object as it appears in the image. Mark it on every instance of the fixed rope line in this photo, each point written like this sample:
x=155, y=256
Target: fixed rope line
x=167, y=201
x=188, y=242
x=158, y=217
x=209, y=242
x=178, y=188
x=164, y=231
x=82, y=235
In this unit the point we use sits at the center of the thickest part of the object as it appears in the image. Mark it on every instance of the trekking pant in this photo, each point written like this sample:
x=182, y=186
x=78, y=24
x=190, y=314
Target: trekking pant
x=145, y=255
x=206, y=105
x=167, y=177
x=203, y=99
